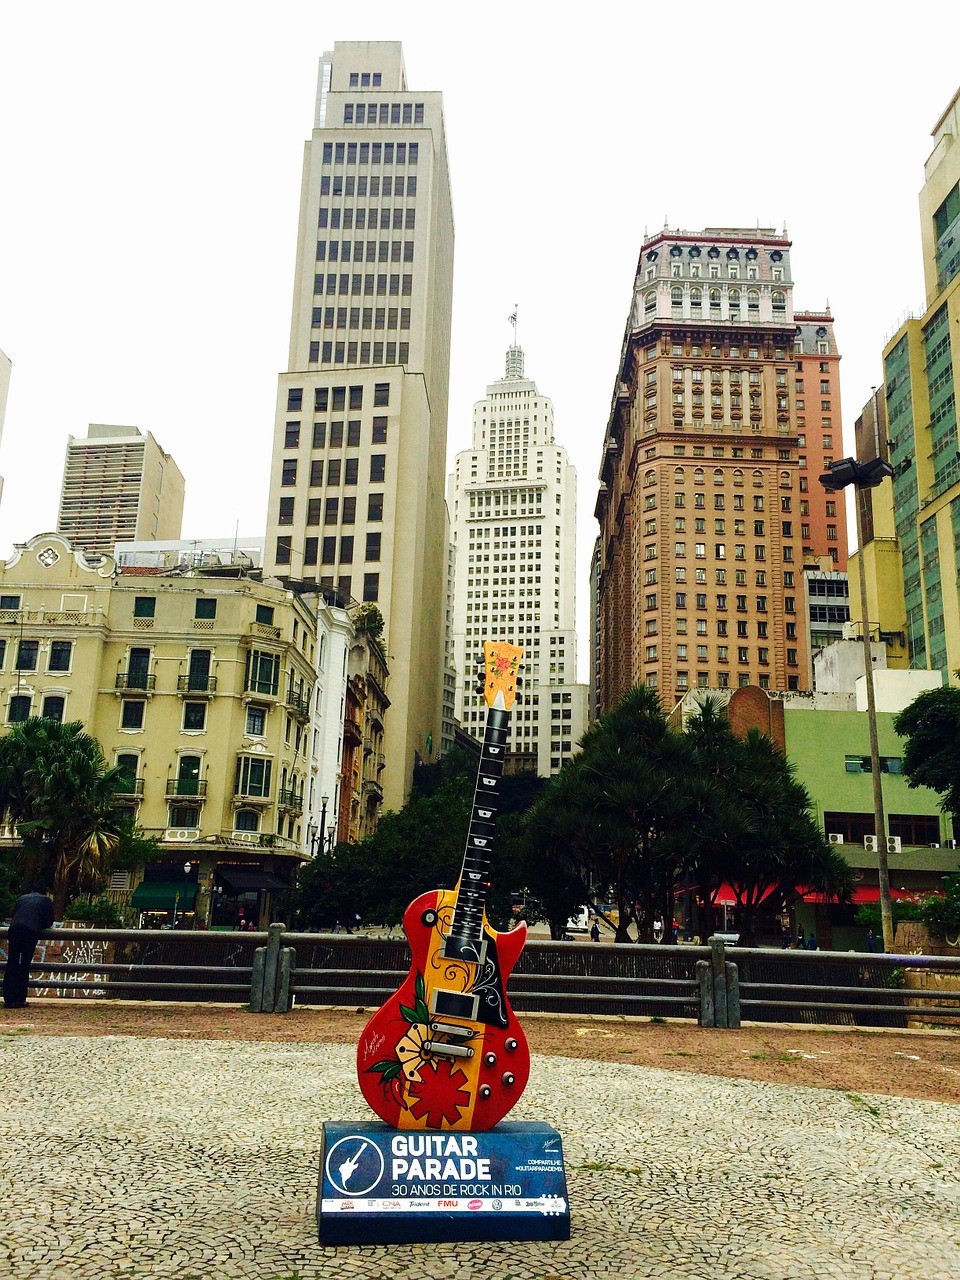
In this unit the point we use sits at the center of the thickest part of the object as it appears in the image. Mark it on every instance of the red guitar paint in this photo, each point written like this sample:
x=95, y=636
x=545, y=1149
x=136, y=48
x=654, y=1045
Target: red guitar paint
x=446, y=1051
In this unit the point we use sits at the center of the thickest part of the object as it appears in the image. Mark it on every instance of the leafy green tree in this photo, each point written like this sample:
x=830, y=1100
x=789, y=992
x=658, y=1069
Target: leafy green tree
x=931, y=754
x=58, y=790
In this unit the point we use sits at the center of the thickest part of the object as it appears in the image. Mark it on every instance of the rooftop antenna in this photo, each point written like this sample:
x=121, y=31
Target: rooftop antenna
x=513, y=321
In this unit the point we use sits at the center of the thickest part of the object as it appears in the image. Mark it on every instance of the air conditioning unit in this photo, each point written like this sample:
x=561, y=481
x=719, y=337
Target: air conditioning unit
x=935, y=845
x=894, y=844
x=870, y=844
x=949, y=844
x=835, y=837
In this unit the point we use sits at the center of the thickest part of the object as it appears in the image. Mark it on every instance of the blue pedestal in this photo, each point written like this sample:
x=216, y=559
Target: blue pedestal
x=389, y=1186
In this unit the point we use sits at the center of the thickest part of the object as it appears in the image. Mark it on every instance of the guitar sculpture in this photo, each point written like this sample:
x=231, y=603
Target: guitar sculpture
x=446, y=1051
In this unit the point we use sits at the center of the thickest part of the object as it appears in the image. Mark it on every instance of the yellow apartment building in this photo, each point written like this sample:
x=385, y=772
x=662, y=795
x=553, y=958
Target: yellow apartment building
x=204, y=686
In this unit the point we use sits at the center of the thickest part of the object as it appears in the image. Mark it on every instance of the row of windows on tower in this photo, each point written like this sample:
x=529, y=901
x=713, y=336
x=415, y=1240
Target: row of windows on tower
x=365, y=250
x=343, y=584
x=334, y=510
x=353, y=153
x=378, y=434
x=651, y=625
x=744, y=657
x=330, y=554
x=359, y=353
x=360, y=318
x=348, y=473
x=721, y=680
x=335, y=398
x=369, y=285
x=381, y=112
x=364, y=218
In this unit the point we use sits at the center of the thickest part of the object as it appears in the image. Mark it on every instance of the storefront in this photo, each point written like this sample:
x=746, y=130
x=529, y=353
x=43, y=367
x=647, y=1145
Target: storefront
x=245, y=896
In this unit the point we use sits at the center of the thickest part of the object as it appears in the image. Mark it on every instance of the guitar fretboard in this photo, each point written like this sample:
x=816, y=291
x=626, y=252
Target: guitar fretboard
x=467, y=928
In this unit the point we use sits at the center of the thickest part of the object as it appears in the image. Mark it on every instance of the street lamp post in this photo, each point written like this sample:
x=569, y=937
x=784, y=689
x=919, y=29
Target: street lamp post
x=868, y=475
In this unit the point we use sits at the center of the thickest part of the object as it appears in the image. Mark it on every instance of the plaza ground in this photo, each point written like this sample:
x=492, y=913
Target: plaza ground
x=181, y=1143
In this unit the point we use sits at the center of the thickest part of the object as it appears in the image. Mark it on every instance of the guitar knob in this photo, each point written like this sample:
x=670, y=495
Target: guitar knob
x=485, y=1091
x=490, y=1059
x=507, y=1078
x=510, y=1045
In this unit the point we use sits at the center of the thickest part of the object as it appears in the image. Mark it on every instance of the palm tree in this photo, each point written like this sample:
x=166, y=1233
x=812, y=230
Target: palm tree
x=58, y=790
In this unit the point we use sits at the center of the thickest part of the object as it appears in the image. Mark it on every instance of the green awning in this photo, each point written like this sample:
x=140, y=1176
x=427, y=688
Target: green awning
x=159, y=895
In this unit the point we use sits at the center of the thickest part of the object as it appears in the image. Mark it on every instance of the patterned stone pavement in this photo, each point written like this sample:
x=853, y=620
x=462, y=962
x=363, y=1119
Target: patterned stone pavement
x=125, y=1158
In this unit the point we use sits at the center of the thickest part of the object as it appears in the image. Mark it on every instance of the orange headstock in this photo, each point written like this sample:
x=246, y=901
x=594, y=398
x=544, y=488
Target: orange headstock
x=501, y=666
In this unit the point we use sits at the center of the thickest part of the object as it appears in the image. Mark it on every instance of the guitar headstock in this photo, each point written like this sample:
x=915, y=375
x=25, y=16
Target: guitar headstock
x=501, y=666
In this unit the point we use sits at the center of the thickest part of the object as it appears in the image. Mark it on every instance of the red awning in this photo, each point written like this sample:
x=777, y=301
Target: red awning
x=726, y=896
x=865, y=893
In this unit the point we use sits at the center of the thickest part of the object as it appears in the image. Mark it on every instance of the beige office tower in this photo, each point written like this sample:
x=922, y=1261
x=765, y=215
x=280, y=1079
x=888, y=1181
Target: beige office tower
x=5, y=366
x=513, y=513
x=356, y=490
x=118, y=486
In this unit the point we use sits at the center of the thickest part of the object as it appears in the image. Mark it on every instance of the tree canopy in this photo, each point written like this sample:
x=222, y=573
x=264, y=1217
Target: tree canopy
x=931, y=754
x=643, y=807
x=59, y=792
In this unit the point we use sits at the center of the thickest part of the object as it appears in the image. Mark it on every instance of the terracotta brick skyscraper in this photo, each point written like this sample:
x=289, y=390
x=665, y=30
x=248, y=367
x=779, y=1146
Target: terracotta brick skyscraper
x=699, y=506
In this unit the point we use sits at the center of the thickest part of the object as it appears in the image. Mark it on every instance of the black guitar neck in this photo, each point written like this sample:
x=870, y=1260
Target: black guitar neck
x=465, y=939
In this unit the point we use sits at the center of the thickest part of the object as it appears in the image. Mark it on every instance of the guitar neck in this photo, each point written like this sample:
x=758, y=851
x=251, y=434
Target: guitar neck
x=466, y=932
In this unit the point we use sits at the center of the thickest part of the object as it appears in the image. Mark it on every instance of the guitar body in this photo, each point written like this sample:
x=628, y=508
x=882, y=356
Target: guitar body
x=446, y=1051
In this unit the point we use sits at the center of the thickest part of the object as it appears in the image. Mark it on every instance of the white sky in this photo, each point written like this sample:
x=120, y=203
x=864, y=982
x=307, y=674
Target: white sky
x=150, y=164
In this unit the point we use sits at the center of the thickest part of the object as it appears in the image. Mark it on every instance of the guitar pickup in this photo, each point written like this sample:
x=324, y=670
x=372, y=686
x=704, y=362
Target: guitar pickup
x=455, y=1004
x=443, y=1050
x=451, y=1029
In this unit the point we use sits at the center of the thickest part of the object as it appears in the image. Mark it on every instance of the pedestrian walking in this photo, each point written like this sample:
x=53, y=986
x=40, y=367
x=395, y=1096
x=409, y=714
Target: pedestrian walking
x=32, y=916
x=594, y=932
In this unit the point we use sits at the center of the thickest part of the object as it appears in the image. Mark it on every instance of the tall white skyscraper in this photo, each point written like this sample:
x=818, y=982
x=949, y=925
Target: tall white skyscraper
x=513, y=512
x=357, y=482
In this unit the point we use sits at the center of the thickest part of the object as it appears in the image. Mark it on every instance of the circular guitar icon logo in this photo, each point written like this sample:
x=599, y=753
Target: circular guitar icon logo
x=354, y=1166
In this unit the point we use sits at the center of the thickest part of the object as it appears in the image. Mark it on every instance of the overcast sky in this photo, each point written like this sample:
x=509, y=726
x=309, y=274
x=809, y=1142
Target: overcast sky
x=149, y=188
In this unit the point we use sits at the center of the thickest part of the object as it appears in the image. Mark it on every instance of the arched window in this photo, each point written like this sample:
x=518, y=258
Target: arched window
x=753, y=300
x=678, y=475
x=650, y=301
x=734, y=299
x=718, y=475
x=246, y=820
x=676, y=297
x=649, y=478
x=696, y=298
x=779, y=301
x=698, y=476
x=757, y=478
x=786, y=480
x=738, y=479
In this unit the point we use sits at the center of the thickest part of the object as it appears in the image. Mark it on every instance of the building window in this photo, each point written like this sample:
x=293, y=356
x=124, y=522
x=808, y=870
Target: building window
x=286, y=511
x=253, y=776
x=381, y=394
x=194, y=716
x=27, y=651
x=284, y=548
x=288, y=473
x=61, y=652
x=256, y=725
x=294, y=399
x=262, y=672
x=373, y=546
x=19, y=709
x=378, y=467
x=371, y=586
x=131, y=713
x=246, y=820
x=145, y=606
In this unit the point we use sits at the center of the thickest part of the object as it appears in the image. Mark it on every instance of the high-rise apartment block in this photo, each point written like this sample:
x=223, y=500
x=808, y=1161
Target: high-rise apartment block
x=118, y=486
x=823, y=517
x=513, y=506
x=912, y=547
x=357, y=482
x=701, y=484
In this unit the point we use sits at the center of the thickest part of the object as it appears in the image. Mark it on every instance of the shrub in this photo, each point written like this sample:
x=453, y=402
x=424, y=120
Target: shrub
x=100, y=912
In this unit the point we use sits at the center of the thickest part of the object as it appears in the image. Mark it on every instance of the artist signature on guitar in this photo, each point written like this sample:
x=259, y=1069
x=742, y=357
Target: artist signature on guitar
x=373, y=1044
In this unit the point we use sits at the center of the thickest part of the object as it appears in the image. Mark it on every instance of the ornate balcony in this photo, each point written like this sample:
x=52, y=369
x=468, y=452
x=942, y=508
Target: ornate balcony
x=196, y=684
x=289, y=799
x=143, y=681
x=194, y=788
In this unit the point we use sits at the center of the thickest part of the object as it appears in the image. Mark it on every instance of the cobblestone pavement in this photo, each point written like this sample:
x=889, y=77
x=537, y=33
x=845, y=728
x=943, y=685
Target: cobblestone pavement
x=123, y=1157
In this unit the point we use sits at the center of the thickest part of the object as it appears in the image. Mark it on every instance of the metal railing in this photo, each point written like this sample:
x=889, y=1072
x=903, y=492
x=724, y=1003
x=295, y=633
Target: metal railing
x=192, y=683
x=702, y=983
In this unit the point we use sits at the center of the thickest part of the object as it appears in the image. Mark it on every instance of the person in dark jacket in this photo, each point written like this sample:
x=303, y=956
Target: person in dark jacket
x=32, y=916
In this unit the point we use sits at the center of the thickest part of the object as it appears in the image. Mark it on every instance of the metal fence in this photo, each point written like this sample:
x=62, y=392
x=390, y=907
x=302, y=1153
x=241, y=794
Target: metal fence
x=715, y=985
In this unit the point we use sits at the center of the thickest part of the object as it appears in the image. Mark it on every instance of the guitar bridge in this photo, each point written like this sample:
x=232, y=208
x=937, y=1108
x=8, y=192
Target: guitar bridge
x=440, y=1049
